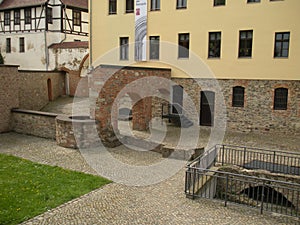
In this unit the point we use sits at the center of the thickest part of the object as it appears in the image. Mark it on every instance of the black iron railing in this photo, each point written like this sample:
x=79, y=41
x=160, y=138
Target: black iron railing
x=256, y=158
x=203, y=180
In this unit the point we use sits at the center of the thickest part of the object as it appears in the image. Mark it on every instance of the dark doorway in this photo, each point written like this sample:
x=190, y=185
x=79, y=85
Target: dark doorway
x=177, y=99
x=207, y=108
x=49, y=85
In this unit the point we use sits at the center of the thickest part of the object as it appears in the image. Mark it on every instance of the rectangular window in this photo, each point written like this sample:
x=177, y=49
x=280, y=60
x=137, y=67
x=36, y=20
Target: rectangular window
x=7, y=18
x=76, y=18
x=245, y=45
x=249, y=1
x=49, y=15
x=129, y=6
x=155, y=5
x=238, y=95
x=282, y=43
x=154, y=47
x=181, y=4
x=280, y=99
x=219, y=2
x=214, y=45
x=124, y=48
x=183, y=45
x=22, y=44
x=112, y=7
x=17, y=16
x=8, y=45
x=27, y=13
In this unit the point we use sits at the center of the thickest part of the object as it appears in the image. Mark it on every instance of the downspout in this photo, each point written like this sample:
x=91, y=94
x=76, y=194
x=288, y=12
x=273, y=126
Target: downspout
x=45, y=39
x=65, y=28
x=46, y=50
x=90, y=38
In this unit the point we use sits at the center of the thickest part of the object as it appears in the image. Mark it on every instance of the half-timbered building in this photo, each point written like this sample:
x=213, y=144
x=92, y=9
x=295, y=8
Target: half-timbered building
x=29, y=27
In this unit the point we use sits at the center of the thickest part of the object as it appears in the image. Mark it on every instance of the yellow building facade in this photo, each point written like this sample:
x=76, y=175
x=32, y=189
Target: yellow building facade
x=198, y=19
x=251, y=47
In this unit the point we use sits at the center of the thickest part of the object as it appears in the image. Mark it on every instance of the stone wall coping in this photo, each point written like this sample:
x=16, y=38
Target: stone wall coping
x=32, y=112
x=133, y=67
x=67, y=118
x=6, y=65
x=41, y=71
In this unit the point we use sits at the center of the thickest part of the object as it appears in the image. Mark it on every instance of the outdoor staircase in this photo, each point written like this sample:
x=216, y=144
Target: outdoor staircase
x=178, y=119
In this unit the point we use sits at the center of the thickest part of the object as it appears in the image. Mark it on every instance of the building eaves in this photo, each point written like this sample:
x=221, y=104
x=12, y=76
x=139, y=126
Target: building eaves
x=12, y=4
x=81, y=4
x=67, y=45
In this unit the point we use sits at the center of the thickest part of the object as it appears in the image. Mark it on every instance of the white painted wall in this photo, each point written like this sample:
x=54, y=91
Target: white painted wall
x=37, y=56
x=69, y=58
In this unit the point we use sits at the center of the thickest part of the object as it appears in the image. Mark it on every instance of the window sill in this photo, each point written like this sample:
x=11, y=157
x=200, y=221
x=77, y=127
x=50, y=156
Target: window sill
x=154, y=10
x=245, y=57
x=280, y=57
x=238, y=107
x=183, y=58
x=214, y=58
x=180, y=8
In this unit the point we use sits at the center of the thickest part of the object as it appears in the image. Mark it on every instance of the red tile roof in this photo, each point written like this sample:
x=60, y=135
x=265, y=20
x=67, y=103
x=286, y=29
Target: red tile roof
x=10, y=4
x=82, y=4
x=74, y=44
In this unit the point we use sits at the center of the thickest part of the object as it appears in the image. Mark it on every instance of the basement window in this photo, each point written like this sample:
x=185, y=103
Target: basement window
x=280, y=99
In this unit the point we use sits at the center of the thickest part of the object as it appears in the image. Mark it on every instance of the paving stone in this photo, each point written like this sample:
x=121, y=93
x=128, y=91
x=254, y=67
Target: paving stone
x=163, y=203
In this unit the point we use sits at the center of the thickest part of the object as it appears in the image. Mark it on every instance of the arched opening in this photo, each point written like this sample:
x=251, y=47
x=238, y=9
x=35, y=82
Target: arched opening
x=267, y=194
x=49, y=85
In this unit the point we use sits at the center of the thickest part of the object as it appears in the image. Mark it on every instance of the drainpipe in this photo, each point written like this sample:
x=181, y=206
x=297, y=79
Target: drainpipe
x=65, y=19
x=45, y=39
x=90, y=35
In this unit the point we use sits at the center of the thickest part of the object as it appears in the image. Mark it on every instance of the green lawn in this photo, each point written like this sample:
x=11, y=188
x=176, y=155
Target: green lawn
x=28, y=189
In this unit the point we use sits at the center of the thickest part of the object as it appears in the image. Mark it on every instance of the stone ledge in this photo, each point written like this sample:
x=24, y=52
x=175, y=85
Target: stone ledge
x=32, y=112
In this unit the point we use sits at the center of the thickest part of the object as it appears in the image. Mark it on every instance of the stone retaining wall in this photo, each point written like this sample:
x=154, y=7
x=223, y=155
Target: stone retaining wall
x=9, y=87
x=34, y=123
x=258, y=113
x=34, y=90
x=76, y=132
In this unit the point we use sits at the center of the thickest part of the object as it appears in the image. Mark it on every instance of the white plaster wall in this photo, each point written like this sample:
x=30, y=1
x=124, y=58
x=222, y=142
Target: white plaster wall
x=69, y=58
x=34, y=55
x=37, y=56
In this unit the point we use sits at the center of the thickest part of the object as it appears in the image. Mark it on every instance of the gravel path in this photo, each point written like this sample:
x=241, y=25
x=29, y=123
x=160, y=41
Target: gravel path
x=163, y=203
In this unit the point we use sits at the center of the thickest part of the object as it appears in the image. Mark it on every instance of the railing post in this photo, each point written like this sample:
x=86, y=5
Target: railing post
x=194, y=182
x=226, y=190
x=274, y=161
x=245, y=152
x=215, y=155
x=262, y=198
x=223, y=154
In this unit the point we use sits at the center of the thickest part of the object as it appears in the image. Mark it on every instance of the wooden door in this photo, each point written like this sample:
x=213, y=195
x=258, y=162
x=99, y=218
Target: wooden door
x=207, y=108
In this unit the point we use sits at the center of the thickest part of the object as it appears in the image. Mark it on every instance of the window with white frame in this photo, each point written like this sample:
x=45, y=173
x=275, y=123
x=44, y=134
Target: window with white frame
x=181, y=4
x=124, y=48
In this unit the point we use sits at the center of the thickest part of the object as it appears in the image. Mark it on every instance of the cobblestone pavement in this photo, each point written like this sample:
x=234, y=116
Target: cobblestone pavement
x=162, y=203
